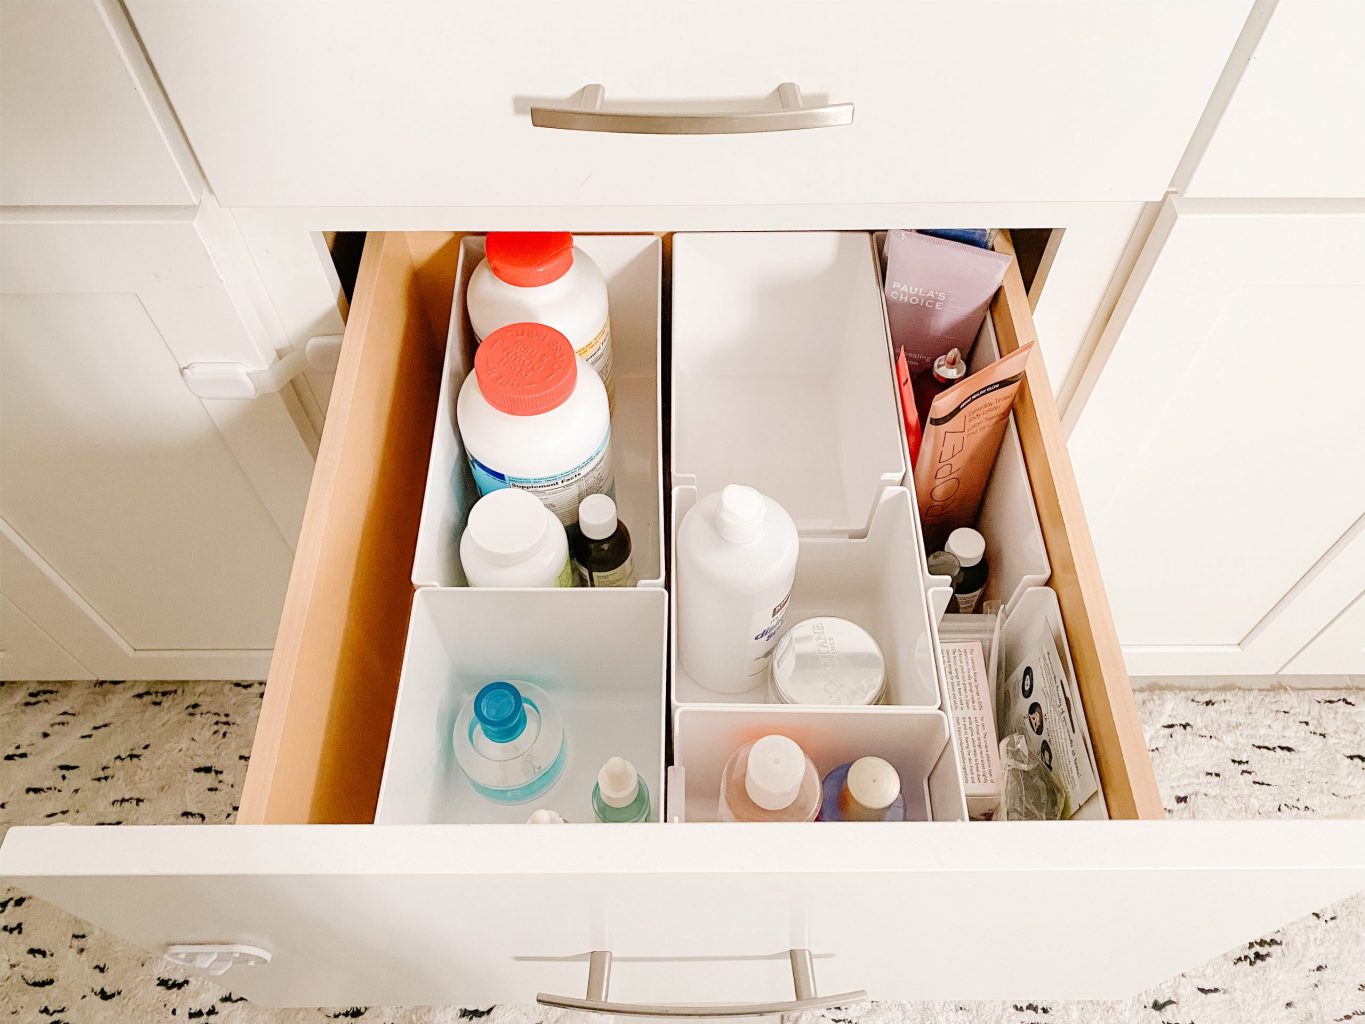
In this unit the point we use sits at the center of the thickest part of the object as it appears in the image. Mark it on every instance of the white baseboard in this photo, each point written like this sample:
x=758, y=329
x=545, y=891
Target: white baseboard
x=1248, y=682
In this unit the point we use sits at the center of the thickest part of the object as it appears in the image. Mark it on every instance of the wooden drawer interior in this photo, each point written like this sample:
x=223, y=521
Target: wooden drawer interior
x=321, y=740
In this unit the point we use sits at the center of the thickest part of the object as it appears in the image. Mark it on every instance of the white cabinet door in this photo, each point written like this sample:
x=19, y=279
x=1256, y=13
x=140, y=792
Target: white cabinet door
x=1338, y=649
x=428, y=103
x=1219, y=440
x=85, y=123
x=163, y=525
x=27, y=652
x=1292, y=126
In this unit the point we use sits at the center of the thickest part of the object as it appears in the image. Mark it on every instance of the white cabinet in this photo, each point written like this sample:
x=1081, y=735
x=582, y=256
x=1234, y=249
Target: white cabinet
x=1338, y=648
x=1292, y=126
x=27, y=652
x=84, y=120
x=148, y=532
x=1219, y=445
x=428, y=104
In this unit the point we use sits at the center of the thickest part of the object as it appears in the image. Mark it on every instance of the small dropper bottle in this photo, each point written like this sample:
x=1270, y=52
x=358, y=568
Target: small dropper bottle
x=620, y=794
x=948, y=370
x=600, y=546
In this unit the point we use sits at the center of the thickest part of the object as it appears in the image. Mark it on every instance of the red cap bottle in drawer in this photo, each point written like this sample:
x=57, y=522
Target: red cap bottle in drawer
x=534, y=416
x=541, y=276
x=529, y=258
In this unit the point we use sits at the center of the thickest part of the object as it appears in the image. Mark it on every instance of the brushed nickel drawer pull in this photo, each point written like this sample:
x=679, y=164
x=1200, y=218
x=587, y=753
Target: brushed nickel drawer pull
x=599, y=977
x=794, y=116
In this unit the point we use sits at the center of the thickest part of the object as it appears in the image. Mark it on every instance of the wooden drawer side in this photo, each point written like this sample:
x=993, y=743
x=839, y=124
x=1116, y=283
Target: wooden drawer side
x=1126, y=772
x=322, y=735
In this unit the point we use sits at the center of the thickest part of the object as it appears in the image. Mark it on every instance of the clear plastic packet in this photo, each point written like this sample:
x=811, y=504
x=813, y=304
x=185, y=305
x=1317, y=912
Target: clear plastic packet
x=1031, y=793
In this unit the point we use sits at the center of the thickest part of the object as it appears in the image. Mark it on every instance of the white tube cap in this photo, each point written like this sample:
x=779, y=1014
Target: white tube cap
x=506, y=525
x=618, y=782
x=777, y=766
x=968, y=545
x=545, y=816
x=873, y=783
x=597, y=516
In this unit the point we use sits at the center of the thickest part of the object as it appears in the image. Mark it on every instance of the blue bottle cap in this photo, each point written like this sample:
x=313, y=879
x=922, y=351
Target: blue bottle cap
x=501, y=712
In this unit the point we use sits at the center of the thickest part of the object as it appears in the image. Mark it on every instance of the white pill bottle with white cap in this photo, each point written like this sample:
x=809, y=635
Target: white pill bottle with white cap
x=737, y=553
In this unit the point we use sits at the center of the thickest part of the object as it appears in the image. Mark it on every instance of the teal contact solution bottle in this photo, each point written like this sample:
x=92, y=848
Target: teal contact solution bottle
x=509, y=741
x=620, y=794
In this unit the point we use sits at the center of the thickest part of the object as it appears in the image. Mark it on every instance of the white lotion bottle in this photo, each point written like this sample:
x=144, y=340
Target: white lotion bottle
x=737, y=553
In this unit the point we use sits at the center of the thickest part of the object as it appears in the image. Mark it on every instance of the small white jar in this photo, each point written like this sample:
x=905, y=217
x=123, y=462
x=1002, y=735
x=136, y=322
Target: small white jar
x=827, y=660
x=534, y=416
x=512, y=540
x=542, y=277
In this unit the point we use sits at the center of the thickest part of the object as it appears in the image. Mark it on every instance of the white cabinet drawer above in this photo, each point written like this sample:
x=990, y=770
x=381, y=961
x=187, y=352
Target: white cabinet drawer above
x=84, y=120
x=428, y=104
x=354, y=913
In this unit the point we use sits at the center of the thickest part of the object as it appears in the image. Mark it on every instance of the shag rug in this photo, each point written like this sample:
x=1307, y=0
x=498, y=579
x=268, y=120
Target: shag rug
x=137, y=753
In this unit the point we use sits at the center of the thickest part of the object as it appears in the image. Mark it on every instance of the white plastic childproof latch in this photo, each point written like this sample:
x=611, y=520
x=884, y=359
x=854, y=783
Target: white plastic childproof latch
x=237, y=380
x=215, y=959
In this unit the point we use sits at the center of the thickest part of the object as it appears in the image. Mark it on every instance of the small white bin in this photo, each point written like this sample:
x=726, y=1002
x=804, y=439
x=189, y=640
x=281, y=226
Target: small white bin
x=915, y=742
x=633, y=266
x=599, y=654
x=781, y=374
x=874, y=581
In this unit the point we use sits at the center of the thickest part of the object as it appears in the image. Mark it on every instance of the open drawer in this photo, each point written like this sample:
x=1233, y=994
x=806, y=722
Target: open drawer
x=353, y=913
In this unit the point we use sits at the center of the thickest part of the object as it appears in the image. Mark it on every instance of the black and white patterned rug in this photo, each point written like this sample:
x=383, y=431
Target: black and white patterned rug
x=138, y=753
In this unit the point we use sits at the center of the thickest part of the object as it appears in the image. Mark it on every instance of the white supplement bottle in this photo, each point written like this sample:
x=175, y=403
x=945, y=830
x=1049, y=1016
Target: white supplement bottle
x=512, y=540
x=736, y=561
x=533, y=416
x=542, y=277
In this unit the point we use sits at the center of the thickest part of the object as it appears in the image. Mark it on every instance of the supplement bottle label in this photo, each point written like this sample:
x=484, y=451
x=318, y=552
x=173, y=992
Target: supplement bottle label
x=965, y=604
x=560, y=493
x=597, y=354
x=622, y=576
x=766, y=625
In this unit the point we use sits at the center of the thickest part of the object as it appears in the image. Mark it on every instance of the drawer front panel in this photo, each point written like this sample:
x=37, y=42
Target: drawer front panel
x=441, y=94
x=472, y=915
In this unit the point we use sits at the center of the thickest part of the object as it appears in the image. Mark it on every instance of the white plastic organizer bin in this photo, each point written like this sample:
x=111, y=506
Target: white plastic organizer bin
x=915, y=742
x=781, y=374
x=874, y=581
x=1015, y=549
x=599, y=654
x=633, y=266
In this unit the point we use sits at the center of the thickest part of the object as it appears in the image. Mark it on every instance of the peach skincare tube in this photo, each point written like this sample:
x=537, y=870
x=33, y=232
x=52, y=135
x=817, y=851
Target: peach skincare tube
x=962, y=436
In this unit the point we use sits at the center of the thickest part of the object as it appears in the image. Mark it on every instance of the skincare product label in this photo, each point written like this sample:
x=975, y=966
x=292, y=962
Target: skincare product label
x=766, y=626
x=937, y=294
x=1041, y=702
x=961, y=440
x=969, y=701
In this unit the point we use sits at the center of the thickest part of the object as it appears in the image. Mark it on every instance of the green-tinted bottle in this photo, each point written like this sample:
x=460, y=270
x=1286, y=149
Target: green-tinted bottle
x=620, y=794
